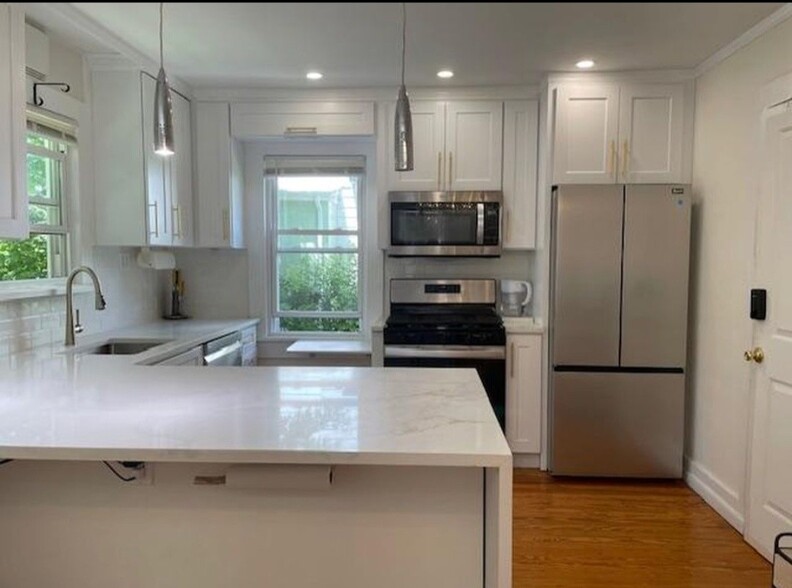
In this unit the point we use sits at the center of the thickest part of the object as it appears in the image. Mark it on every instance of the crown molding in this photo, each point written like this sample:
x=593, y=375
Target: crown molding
x=240, y=94
x=648, y=76
x=747, y=37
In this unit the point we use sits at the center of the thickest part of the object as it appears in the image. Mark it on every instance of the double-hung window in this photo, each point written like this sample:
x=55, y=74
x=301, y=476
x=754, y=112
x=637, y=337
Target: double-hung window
x=314, y=214
x=44, y=254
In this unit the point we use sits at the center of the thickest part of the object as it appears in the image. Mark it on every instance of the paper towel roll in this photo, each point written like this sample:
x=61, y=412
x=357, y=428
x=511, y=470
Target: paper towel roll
x=159, y=260
x=279, y=477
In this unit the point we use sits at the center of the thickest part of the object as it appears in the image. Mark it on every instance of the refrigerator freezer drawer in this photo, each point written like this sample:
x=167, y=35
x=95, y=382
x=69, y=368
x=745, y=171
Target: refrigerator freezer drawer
x=618, y=424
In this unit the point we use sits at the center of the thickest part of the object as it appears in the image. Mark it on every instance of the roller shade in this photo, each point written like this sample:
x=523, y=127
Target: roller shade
x=317, y=166
x=50, y=125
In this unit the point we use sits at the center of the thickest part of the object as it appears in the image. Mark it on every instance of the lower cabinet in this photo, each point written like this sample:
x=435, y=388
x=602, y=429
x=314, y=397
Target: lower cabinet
x=524, y=392
x=249, y=348
x=192, y=357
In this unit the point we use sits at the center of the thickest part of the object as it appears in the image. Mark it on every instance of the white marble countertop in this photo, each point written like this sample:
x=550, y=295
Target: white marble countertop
x=523, y=325
x=67, y=406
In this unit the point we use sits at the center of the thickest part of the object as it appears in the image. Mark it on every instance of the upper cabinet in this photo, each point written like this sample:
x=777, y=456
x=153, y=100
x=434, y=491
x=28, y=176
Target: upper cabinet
x=142, y=198
x=219, y=175
x=456, y=146
x=520, y=144
x=619, y=133
x=259, y=120
x=13, y=187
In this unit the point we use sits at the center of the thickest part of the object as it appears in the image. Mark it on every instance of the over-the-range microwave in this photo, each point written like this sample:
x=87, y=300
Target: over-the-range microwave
x=464, y=224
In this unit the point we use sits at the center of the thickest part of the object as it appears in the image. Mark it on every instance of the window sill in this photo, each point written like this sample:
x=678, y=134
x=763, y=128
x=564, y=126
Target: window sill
x=330, y=347
x=10, y=291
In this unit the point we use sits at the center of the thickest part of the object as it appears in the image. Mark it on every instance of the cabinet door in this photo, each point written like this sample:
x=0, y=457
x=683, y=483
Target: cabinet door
x=428, y=120
x=157, y=215
x=213, y=159
x=474, y=145
x=180, y=175
x=193, y=357
x=585, y=149
x=520, y=143
x=524, y=393
x=13, y=185
x=650, y=133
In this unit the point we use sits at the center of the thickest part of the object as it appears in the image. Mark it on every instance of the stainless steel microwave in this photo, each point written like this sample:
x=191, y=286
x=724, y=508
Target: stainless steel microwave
x=465, y=224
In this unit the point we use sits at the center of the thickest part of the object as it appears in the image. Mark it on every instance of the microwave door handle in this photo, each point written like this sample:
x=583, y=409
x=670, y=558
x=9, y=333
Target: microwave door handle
x=480, y=223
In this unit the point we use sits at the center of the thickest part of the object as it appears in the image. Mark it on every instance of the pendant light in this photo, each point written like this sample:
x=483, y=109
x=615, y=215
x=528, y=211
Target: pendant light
x=403, y=131
x=163, y=107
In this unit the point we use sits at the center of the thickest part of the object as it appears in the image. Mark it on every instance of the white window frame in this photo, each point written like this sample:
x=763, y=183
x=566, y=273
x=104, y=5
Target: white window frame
x=273, y=232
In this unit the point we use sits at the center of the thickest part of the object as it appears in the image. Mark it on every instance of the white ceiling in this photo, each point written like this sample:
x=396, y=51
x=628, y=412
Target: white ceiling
x=274, y=44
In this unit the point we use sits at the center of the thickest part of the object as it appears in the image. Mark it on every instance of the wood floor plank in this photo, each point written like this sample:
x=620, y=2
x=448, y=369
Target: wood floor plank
x=624, y=534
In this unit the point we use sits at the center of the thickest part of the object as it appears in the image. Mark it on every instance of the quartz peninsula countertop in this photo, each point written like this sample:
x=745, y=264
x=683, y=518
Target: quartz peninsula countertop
x=72, y=406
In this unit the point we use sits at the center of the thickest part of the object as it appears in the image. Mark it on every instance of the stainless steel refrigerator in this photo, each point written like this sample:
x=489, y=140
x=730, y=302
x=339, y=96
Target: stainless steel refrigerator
x=619, y=298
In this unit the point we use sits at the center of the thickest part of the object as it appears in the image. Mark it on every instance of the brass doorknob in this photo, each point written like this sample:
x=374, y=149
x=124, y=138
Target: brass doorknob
x=756, y=354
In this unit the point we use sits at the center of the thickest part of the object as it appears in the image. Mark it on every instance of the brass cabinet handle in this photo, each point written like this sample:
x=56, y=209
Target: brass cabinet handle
x=506, y=226
x=511, y=362
x=176, y=213
x=756, y=355
x=626, y=162
x=155, y=232
x=439, y=170
x=226, y=223
x=450, y=170
x=612, y=159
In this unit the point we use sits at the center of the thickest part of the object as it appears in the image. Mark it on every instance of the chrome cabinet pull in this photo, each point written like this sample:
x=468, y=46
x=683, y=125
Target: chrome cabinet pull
x=450, y=171
x=226, y=223
x=155, y=232
x=439, y=170
x=301, y=131
x=626, y=162
x=511, y=362
x=176, y=213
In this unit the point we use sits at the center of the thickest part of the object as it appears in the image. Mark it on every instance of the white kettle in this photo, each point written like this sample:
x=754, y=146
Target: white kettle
x=514, y=296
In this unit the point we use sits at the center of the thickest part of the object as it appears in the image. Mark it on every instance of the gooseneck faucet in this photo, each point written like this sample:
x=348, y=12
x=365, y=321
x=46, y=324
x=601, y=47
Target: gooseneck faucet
x=99, y=302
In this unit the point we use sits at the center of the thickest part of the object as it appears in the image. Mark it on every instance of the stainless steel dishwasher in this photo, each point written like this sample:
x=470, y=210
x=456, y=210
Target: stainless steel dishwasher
x=224, y=351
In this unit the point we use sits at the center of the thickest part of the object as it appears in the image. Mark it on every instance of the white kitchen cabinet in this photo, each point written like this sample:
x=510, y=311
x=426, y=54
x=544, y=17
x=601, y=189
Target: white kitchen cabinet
x=610, y=133
x=13, y=186
x=249, y=347
x=219, y=175
x=457, y=145
x=520, y=144
x=142, y=198
x=586, y=135
x=650, y=133
x=259, y=120
x=524, y=392
x=193, y=357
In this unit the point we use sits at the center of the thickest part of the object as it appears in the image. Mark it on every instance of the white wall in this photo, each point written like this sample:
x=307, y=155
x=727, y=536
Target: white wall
x=215, y=283
x=725, y=184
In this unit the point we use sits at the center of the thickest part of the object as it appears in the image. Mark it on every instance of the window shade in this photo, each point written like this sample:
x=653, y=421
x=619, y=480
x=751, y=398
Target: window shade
x=50, y=125
x=317, y=166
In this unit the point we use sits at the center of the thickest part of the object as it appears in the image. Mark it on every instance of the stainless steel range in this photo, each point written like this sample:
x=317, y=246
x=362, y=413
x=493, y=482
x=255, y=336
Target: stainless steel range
x=449, y=323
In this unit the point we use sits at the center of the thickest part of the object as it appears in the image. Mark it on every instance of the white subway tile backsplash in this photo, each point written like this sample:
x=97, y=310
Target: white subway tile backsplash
x=132, y=298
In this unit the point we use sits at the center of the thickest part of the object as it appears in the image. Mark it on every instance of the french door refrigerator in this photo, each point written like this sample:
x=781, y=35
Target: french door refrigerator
x=619, y=297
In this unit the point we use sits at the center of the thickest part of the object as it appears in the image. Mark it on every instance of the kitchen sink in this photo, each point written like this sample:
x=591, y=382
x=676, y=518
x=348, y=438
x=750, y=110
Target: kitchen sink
x=119, y=347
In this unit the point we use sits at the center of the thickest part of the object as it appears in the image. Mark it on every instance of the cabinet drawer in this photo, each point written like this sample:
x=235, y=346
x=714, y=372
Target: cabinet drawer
x=249, y=354
x=302, y=119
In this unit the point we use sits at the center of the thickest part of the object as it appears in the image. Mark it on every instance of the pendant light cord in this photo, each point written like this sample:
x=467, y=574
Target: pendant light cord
x=404, y=38
x=162, y=60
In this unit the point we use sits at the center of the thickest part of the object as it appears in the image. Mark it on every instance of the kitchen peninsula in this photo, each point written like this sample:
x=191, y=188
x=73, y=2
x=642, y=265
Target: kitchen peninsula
x=419, y=492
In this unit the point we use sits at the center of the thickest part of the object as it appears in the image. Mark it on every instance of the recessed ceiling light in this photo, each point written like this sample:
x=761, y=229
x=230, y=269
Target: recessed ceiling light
x=314, y=75
x=445, y=73
x=584, y=64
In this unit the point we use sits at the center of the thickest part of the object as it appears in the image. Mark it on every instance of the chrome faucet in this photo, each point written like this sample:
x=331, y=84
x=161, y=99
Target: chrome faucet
x=99, y=302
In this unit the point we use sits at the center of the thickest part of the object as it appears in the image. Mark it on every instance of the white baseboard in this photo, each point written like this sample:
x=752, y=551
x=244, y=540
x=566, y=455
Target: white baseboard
x=525, y=460
x=724, y=500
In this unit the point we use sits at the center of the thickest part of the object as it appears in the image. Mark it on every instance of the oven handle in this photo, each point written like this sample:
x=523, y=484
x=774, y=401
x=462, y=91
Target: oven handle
x=447, y=351
x=480, y=223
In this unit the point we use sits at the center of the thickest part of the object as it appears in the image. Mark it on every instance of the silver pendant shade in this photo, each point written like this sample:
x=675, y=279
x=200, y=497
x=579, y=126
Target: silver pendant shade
x=403, y=131
x=163, y=108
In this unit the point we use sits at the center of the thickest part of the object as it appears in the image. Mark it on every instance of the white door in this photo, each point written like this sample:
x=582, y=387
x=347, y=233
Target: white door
x=180, y=174
x=474, y=145
x=13, y=186
x=428, y=120
x=520, y=143
x=524, y=393
x=770, y=491
x=650, y=133
x=157, y=214
x=587, y=125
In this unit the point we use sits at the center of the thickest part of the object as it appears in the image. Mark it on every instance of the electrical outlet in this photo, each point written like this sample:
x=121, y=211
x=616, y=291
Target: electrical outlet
x=126, y=260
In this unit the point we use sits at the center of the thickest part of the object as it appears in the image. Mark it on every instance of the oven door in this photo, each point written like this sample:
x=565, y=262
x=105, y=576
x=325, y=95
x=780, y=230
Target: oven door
x=489, y=362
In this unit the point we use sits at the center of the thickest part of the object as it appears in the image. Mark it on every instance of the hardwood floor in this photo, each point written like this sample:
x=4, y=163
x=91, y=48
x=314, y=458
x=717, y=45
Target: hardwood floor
x=598, y=533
